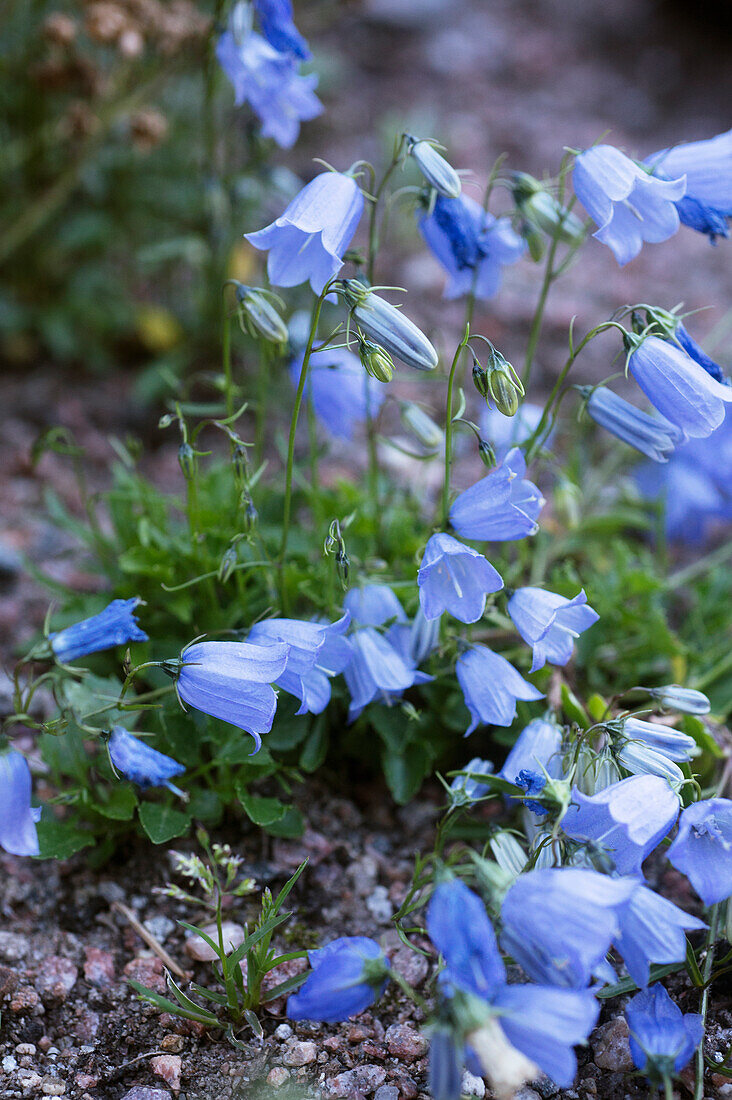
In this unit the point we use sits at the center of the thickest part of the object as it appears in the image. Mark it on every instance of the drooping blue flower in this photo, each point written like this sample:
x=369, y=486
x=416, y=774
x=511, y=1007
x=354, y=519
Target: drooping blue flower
x=690, y=346
x=676, y=385
x=662, y=1040
x=538, y=749
x=702, y=848
x=686, y=700
x=376, y=671
x=503, y=505
x=707, y=165
x=347, y=976
x=651, y=929
x=491, y=687
x=423, y=637
x=532, y=783
x=558, y=923
x=307, y=242
x=549, y=623
x=269, y=81
x=544, y=1024
x=140, y=762
x=340, y=390
x=629, y=205
x=316, y=651
x=629, y=819
x=374, y=605
x=465, y=786
x=116, y=625
x=232, y=681
x=653, y=436
x=278, y=27
x=445, y=1066
x=17, y=816
x=455, y=578
x=470, y=244
x=671, y=743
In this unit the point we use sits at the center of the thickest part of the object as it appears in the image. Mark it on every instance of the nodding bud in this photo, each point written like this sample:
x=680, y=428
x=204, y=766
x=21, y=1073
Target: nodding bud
x=543, y=211
x=227, y=564
x=534, y=239
x=387, y=326
x=480, y=378
x=487, y=454
x=638, y=325
x=335, y=544
x=187, y=461
x=422, y=426
x=241, y=463
x=259, y=316
x=435, y=169
x=343, y=566
x=375, y=360
x=250, y=512
x=686, y=700
x=504, y=385
x=662, y=322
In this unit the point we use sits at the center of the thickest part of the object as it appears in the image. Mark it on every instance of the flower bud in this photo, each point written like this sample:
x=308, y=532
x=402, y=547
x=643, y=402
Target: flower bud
x=227, y=563
x=240, y=463
x=534, y=239
x=435, y=169
x=504, y=385
x=686, y=700
x=422, y=426
x=387, y=326
x=487, y=454
x=260, y=316
x=187, y=461
x=376, y=362
x=542, y=210
x=480, y=378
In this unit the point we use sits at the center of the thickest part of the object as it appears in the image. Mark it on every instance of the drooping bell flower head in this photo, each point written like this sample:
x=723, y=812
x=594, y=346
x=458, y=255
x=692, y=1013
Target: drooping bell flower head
x=538, y=749
x=17, y=817
x=627, y=204
x=707, y=166
x=686, y=700
x=455, y=578
x=653, y=436
x=651, y=930
x=550, y=623
x=136, y=760
x=437, y=172
x=377, y=670
x=692, y=496
x=316, y=651
x=662, y=1039
x=490, y=687
x=308, y=241
x=387, y=326
x=649, y=748
x=347, y=976
x=628, y=819
x=278, y=27
x=465, y=788
x=374, y=605
x=702, y=848
x=470, y=245
x=690, y=346
x=503, y=505
x=116, y=625
x=232, y=681
x=341, y=393
x=669, y=325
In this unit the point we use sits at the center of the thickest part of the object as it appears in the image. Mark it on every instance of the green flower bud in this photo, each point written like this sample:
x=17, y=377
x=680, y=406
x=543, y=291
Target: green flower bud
x=387, y=326
x=259, y=315
x=487, y=454
x=534, y=239
x=504, y=385
x=187, y=461
x=376, y=362
x=422, y=426
x=480, y=378
x=227, y=564
x=435, y=169
x=542, y=210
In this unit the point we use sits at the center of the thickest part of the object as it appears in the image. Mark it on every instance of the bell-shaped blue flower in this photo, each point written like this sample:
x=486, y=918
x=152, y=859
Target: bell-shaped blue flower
x=503, y=505
x=458, y=926
x=550, y=623
x=629, y=819
x=682, y=391
x=307, y=242
x=491, y=687
x=316, y=651
x=17, y=816
x=376, y=671
x=629, y=205
x=269, y=81
x=455, y=578
x=347, y=976
x=538, y=749
x=278, y=27
x=558, y=923
x=651, y=929
x=465, y=788
x=340, y=390
x=702, y=848
x=707, y=165
x=374, y=605
x=423, y=637
x=445, y=1066
x=470, y=244
x=140, y=762
x=662, y=1040
x=671, y=743
x=232, y=681
x=690, y=346
x=653, y=436
x=116, y=625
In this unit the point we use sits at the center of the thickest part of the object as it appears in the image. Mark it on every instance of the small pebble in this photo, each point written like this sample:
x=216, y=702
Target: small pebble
x=283, y=1031
x=51, y=1086
x=277, y=1077
x=233, y=936
x=472, y=1085
x=387, y=1092
x=300, y=1054
x=25, y=1049
x=168, y=1066
x=379, y=906
x=160, y=926
x=9, y=1063
x=405, y=1042
x=173, y=1044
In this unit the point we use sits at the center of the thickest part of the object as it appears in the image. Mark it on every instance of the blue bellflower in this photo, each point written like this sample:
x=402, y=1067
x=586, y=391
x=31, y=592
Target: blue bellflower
x=629, y=819
x=662, y=1040
x=653, y=436
x=491, y=686
x=675, y=384
x=538, y=748
x=707, y=165
x=116, y=625
x=690, y=346
x=702, y=848
x=374, y=605
x=549, y=623
x=17, y=817
x=340, y=390
x=278, y=27
x=347, y=976
x=532, y=783
x=503, y=505
x=542, y=1023
x=377, y=671
x=232, y=681
x=472, y=789
x=651, y=929
x=455, y=578
x=269, y=81
x=316, y=651
x=629, y=205
x=470, y=244
x=307, y=242
x=653, y=749
x=140, y=762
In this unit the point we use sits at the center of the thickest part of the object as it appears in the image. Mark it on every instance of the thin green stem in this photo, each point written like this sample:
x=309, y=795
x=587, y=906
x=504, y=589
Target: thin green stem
x=226, y=357
x=373, y=245
x=373, y=459
x=668, y=1088
x=714, y=916
x=700, y=566
x=538, y=318
x=445, y=502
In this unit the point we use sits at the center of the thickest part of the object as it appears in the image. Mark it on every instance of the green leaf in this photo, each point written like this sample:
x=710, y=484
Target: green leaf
x=260, y=810
x=162, y=823
x=119, y=805
x=290, y=825
x=573, y=709
x=315, y=748
x=405, y=772
x=59, y=840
